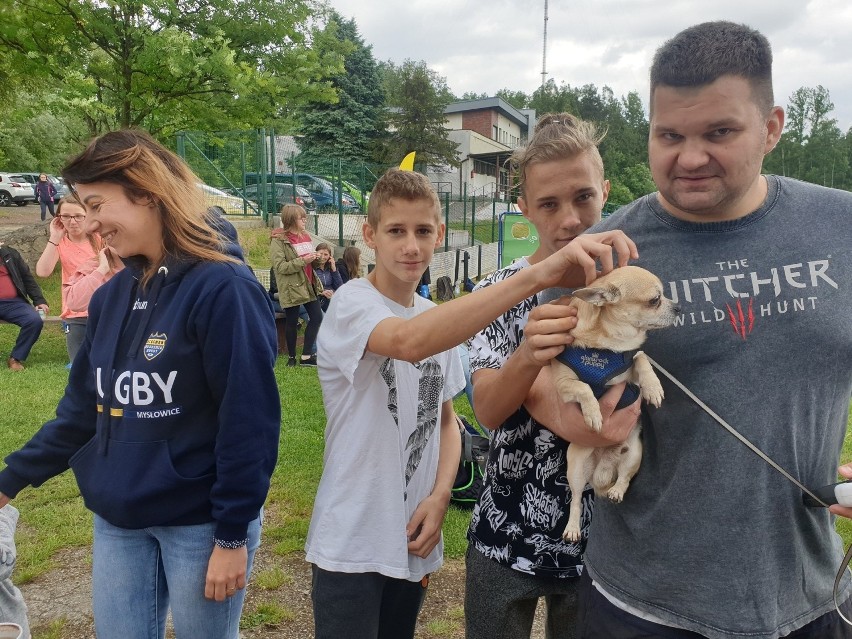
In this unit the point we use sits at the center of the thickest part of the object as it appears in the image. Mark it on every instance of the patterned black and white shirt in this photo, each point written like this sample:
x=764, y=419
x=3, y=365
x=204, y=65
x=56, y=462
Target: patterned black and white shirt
x=523, y=509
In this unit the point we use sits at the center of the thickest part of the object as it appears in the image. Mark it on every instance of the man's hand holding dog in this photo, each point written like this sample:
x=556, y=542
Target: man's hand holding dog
x=547, y=331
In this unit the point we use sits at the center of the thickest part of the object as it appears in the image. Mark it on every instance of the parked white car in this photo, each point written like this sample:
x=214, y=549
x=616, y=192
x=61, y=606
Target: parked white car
x=231, y=204
x=15, y=188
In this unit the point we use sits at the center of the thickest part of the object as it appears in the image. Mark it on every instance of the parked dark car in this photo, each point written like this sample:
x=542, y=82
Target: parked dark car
x=283, y=194
x=320, y=189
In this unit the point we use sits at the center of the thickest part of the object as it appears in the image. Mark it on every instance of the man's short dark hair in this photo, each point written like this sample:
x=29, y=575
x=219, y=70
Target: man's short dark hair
x=701, y=54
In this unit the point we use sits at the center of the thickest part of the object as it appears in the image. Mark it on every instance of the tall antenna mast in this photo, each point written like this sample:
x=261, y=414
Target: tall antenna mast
x=544, y=50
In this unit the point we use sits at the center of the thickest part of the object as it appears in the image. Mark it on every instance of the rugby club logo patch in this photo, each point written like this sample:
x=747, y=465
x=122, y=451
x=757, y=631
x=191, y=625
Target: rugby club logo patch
x=155, y=345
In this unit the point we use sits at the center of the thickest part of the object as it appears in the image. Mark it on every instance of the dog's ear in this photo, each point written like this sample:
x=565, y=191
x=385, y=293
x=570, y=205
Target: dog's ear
x=599, y=295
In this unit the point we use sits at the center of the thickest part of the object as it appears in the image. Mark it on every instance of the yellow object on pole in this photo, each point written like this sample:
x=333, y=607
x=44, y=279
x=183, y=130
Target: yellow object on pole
x=407, y=163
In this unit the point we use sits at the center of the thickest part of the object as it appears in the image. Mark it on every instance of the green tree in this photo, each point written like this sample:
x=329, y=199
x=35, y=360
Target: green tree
x=551, y=98
x=33, y=137
x=417, y=97
x=166, y=65
x=812, y=147
x=350, y=128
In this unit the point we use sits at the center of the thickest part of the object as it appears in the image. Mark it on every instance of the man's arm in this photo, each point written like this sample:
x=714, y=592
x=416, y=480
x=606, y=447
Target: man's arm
x=32, y=288
x=424, y=529
x=449, y=324
x=844, y=511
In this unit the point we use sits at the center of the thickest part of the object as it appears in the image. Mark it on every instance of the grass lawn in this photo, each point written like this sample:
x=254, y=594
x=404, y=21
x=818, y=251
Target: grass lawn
x=53, y=516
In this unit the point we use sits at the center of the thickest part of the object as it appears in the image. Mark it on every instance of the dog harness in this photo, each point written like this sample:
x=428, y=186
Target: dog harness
x=596, y=366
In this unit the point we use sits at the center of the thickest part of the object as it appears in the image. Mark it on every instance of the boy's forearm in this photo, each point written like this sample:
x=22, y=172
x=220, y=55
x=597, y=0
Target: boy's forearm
x=449, y=453
x=449, y=324
x=498, y=393
x=565, y=420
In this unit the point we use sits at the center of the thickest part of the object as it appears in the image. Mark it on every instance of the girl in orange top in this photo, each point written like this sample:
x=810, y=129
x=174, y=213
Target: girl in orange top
x=71, y=246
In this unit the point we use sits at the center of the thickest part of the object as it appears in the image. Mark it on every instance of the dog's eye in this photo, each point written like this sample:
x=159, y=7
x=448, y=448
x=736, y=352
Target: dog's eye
x=656, y=301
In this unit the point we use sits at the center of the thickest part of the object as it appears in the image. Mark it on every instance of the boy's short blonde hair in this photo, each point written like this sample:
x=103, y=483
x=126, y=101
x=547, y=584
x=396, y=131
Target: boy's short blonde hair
x=558, y=136
x=405, y=185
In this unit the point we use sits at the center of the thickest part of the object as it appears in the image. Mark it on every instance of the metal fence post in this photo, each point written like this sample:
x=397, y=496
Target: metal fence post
x=447, y=221
x=464, y=207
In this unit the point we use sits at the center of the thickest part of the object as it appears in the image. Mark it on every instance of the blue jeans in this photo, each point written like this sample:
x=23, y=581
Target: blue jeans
x=46, y=204
x=137, y=575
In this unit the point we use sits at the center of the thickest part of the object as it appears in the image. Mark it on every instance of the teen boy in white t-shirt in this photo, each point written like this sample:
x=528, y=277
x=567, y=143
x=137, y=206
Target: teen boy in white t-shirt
x=389, y=369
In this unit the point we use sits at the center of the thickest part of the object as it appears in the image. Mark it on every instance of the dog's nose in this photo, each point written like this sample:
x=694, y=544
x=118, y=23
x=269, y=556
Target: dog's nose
x=676, y=310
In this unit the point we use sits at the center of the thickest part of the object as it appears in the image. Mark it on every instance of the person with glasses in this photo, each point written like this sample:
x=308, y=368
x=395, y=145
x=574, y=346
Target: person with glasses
x=45, y=192
x=70, y=245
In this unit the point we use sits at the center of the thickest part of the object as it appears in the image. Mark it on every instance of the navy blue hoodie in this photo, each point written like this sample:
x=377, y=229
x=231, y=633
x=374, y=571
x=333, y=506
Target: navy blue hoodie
x=171, y=415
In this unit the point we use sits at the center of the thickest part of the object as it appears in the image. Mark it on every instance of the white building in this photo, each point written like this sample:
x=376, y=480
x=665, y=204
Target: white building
x=486, y=131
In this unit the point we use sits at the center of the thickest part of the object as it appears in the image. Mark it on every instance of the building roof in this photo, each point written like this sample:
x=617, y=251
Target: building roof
x=491, y=103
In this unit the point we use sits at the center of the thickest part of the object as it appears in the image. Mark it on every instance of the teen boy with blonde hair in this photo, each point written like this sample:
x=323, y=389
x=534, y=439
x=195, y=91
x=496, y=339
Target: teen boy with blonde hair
x=389, y=369
x=516, y=553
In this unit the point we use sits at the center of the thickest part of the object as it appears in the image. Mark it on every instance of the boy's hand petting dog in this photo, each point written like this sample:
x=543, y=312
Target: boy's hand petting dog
x=574, y=265
x=424, y=529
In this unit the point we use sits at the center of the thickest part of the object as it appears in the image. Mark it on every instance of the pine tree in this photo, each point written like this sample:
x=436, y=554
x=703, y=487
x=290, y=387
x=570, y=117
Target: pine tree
x=348, y=129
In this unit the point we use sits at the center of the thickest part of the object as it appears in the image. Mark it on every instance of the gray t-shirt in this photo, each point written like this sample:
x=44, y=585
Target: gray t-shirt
x=709, y=537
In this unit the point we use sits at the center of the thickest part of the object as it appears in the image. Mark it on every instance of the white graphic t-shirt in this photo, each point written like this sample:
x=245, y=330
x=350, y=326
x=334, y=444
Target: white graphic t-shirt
x=381, y=439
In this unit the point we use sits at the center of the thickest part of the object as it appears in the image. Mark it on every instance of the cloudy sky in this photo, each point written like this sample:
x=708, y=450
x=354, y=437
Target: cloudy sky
x=485, y=46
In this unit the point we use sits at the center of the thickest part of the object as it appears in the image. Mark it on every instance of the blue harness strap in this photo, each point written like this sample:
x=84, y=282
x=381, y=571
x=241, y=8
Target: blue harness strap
x=596, y=366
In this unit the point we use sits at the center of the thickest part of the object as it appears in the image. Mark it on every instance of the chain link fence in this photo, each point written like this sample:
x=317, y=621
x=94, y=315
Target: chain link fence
x=252, y=174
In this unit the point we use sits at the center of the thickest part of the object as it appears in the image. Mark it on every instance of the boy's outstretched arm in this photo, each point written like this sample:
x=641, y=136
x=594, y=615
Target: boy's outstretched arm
x=449, y=324
x=424, y=529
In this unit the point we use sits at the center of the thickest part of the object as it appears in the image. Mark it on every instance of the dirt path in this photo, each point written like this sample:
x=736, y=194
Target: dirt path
x=63, y=597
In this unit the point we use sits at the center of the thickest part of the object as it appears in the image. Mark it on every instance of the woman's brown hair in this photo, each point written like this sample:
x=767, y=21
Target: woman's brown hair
x=352, y=259
x=149, y=172
x=290, y=214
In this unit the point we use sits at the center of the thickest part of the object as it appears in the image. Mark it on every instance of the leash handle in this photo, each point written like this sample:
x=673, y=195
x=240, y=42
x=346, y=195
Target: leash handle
x=840, y=493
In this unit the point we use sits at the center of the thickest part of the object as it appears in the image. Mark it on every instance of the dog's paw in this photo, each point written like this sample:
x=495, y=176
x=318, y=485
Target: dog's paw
x=653, y=394
x=592, y=414
x=571, y=532
x=615, y=494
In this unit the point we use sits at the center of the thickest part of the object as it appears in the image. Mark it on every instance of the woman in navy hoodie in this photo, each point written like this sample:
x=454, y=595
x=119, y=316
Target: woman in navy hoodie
x=171, y=416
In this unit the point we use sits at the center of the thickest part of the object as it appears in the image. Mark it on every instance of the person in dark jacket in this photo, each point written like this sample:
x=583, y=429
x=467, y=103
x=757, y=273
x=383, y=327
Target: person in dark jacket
x=327, y=271
x=17, y=289
x=172, y=449
x=45, y=192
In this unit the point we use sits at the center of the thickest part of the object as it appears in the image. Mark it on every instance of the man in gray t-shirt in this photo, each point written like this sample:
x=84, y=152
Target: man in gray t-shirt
x=710, y=540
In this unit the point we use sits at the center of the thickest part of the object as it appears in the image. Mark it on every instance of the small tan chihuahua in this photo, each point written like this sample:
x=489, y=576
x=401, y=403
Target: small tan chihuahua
x=614, y=315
